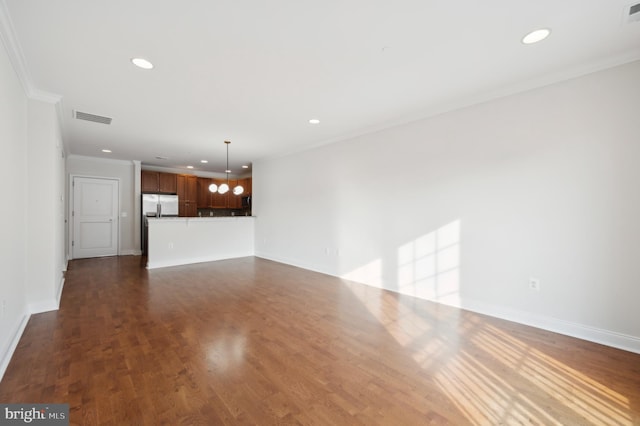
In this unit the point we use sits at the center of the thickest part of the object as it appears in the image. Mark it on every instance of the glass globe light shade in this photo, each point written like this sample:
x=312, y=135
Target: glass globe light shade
x=222, y=189
x=238, y=190
x=213, y=187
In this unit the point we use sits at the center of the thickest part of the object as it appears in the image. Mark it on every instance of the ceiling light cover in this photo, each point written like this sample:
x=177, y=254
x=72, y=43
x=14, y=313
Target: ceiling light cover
x=142, y=63
x=106, y=150
x=314, y=121
x=536, y=36
x=204, y=161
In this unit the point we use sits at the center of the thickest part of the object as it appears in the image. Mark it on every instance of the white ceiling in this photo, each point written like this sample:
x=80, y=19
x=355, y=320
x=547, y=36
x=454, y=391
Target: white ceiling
x=254, y=72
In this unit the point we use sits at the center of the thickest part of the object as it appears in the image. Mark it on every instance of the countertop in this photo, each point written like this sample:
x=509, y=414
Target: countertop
x=198, y=218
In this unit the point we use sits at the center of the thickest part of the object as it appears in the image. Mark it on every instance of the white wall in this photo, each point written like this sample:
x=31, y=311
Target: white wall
x=45, y=209
x=125, y=171
x=185, y=240
x=464, y=207
x=13, y=221
x=32, y=257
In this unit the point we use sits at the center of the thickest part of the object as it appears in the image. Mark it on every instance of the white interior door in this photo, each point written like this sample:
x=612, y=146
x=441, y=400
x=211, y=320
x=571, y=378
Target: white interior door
x=95, y=217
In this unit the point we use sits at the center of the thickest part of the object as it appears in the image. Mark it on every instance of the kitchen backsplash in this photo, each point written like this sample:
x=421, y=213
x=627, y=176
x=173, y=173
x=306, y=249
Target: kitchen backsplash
x=223, y=212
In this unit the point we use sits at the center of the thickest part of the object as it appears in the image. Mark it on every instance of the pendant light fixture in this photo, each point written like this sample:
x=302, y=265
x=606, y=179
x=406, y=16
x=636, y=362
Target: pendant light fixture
x=224, y=188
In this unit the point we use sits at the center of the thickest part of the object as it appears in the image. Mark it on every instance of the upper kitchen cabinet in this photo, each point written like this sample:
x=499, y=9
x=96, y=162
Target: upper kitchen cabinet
x=168, y=183
x=220, y=200
x=148, y=181
x=203, y=195
x=165, y=183
x=235, y=201
x=246, y=185
x=187, y=195
x=207, y=199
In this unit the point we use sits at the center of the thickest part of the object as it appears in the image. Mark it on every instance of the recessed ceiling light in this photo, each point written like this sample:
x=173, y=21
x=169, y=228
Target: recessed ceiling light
x=314, y=121
x=536, y=36
x=106, y=150
x=227, y=171
x=245, y=167
x=189, y=167
x=204, y=161
x=142, y=63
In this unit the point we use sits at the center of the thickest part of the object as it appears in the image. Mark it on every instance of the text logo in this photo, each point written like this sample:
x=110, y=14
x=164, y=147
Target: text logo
x=34, y=414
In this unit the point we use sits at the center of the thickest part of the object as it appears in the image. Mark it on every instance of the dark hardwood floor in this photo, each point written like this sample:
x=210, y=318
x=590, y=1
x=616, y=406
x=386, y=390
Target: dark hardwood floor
x=249, y=341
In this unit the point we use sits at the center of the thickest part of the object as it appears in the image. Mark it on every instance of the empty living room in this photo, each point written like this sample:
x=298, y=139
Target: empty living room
x=360, y=213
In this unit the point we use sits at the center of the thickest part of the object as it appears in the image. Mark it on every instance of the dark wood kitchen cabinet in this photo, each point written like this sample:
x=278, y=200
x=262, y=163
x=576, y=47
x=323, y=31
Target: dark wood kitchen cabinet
x=167, y=183
x=208, y=199
x=164, y=183
x=235, y=201
x=149, y=181
x=211, y=200
x=215, y=200
x=187, y=190
x=220, y=201
x=246, y=184
x=204, y=196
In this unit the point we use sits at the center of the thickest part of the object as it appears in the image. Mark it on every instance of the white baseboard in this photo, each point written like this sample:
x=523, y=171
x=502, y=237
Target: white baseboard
x=33, y=308
x=59, y=296
x=42, y=306
x=568, y=328
x=13, y=344
x=48, y=305
x=132, y=252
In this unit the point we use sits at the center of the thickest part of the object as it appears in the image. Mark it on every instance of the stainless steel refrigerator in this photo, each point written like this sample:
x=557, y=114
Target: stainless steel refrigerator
x=156, y=205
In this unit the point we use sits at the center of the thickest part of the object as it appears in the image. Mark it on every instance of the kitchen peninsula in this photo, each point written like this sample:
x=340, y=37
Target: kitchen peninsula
x=183, y=240
x=194, y=224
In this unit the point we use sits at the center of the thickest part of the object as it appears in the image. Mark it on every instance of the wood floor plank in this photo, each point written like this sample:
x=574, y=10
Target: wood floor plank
x=249, y=341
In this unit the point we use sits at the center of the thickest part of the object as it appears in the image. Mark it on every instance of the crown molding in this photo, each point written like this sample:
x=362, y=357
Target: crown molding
x=42, y=96
x=62, y=125
x=101, y=160
x=10, y=41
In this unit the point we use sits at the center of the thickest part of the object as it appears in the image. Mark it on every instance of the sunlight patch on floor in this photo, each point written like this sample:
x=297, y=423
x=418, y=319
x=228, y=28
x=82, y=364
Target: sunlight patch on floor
x=484, y=397
x=370, y=274
x=428, y=268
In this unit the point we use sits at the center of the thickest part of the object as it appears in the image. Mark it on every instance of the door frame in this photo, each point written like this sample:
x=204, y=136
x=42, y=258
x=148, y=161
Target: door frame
x=71, y=217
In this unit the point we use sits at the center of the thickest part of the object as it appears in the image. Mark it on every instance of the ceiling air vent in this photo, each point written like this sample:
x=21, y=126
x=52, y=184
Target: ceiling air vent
x=633, y=14
x=91, y=117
